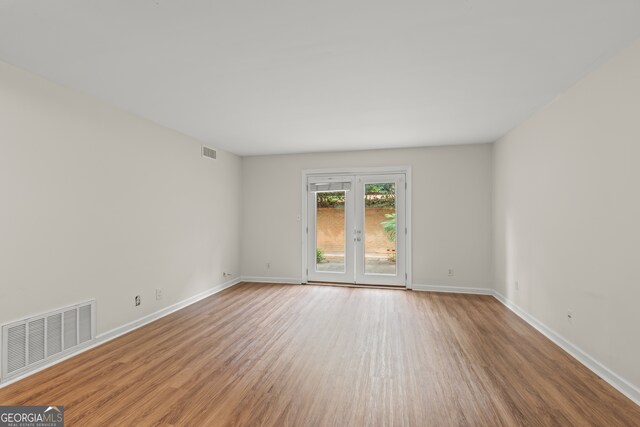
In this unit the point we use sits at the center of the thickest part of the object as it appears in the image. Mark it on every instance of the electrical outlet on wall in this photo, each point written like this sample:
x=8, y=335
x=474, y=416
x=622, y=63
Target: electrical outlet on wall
x=158, y=294
x=450, y=272
x=268, y=265
x=137, y=300
x=569, y=316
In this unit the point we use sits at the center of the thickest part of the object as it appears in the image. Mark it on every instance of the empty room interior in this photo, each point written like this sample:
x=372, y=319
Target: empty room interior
x=330, y=213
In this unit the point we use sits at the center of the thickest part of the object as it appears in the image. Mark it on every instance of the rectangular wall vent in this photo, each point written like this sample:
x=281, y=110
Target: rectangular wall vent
x=208, y=152
x=32, y=342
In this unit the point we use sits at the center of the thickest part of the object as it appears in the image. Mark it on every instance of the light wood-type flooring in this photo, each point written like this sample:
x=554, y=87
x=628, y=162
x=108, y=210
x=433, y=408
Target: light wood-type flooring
x=287, y=355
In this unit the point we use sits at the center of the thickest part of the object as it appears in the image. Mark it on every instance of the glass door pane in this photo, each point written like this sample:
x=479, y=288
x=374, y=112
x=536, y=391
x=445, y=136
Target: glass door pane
x=330, y=229
x=380, y=229
x=330, y=240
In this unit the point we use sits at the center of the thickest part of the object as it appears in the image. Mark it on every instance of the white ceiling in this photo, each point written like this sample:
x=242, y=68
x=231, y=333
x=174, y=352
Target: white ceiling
x=281, y=76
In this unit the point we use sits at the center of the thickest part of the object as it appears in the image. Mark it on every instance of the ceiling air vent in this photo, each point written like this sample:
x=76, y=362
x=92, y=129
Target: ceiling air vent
x=37, y=340
x=208, y=152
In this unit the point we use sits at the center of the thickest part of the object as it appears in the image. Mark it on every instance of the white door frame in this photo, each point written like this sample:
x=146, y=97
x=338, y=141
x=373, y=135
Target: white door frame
x=361, y=275
x=348, y=275
x=406, y=170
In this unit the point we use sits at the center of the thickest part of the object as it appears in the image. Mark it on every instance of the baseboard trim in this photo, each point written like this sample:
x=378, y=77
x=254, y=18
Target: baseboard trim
x=285, y=280
x=131, y=326
x=617, y=382
x=452, y=289
x=121, y=330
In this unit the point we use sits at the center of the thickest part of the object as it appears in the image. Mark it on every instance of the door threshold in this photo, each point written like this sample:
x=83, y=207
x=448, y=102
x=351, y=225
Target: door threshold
x=358, y=285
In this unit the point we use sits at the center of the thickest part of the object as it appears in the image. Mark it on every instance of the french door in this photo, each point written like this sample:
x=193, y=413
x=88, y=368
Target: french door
x=356, y=229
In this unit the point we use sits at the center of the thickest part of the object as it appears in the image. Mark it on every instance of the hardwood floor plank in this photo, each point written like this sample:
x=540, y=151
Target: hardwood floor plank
x=274, y=355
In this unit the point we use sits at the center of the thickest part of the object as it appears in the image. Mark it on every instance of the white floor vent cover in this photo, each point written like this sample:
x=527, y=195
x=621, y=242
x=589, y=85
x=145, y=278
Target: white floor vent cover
x=32, y=342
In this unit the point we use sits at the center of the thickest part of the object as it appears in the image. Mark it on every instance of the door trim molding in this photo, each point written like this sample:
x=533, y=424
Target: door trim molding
x=406, y=170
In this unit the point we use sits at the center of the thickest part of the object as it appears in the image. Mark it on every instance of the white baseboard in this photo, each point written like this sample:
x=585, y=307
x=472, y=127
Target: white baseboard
x=121, y=330
x=287, y=280
x=619, y=383
x=616, y=381
x=452, y=289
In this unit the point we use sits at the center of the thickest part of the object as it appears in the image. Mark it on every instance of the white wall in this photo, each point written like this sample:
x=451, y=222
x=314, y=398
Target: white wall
x=97, y=203
x=451, y=211
x=567, y=215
